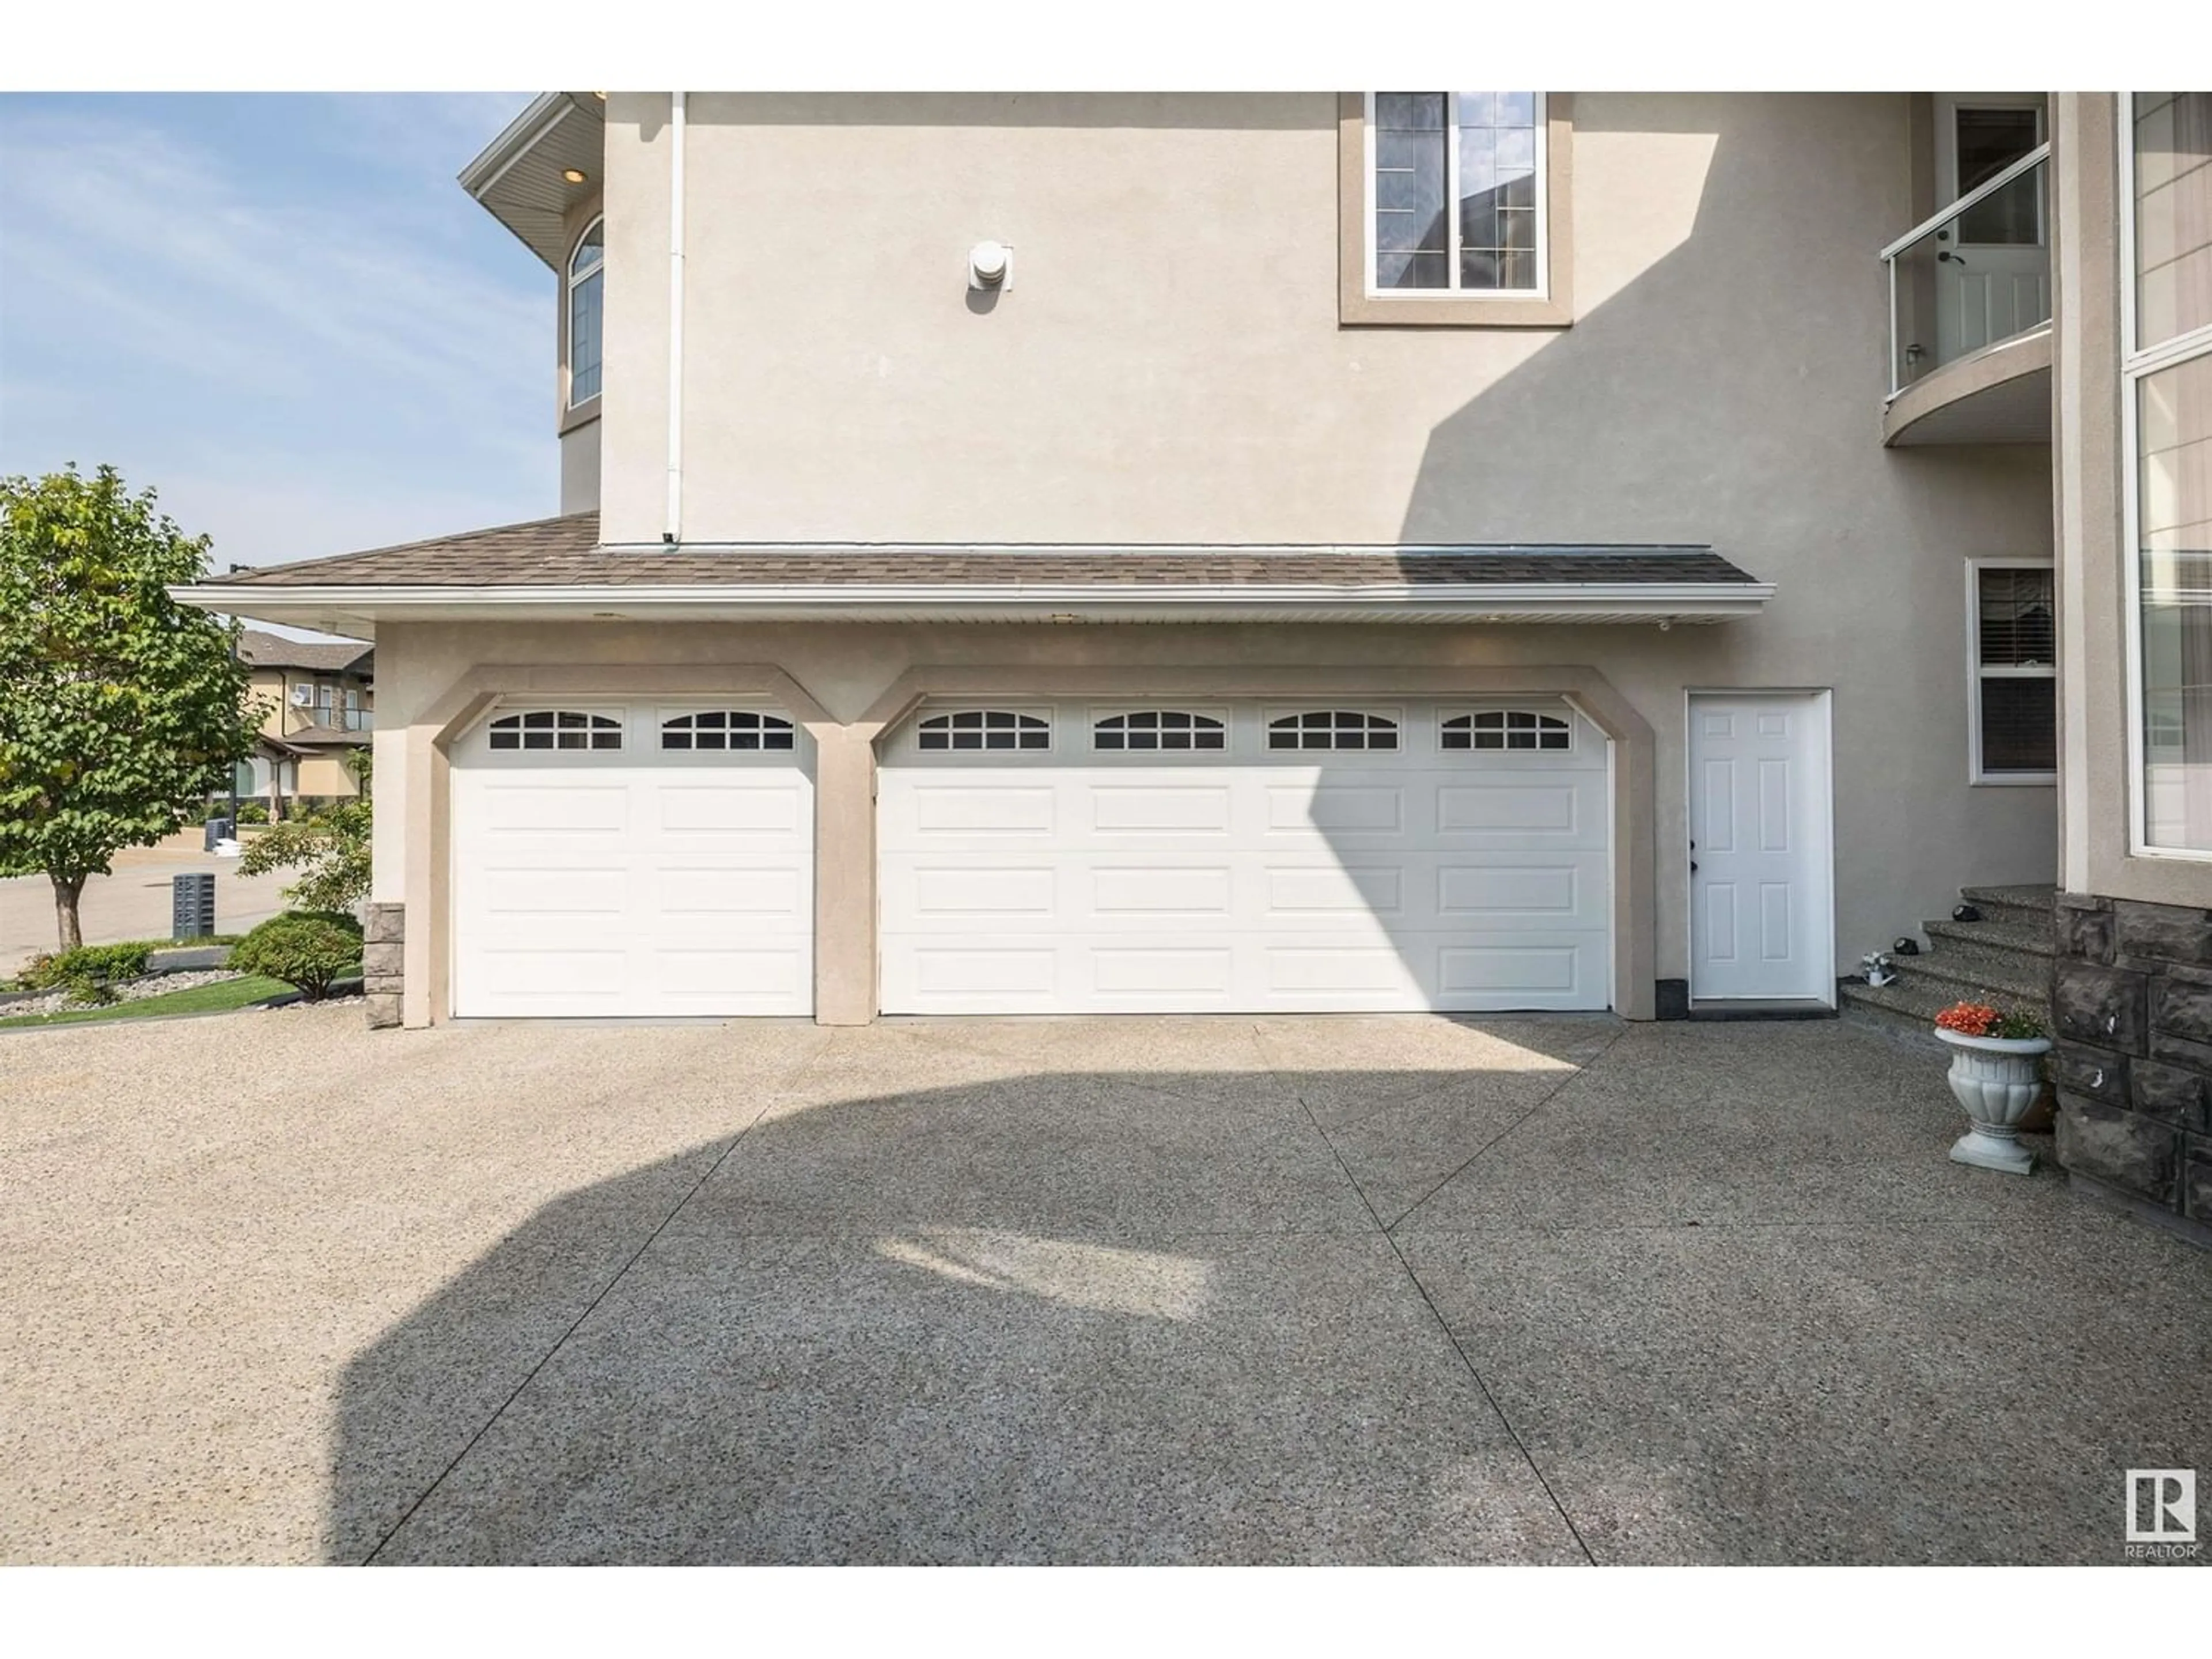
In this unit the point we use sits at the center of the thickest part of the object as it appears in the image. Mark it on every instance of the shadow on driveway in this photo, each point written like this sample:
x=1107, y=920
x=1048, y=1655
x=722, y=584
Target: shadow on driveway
x=1631, y=1297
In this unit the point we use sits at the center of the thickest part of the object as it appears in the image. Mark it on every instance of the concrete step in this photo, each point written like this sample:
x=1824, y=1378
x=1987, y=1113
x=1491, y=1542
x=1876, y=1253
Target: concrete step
x=2022, y=938
x=2030, y=904
x=1898, y=1008
x=2008, y=978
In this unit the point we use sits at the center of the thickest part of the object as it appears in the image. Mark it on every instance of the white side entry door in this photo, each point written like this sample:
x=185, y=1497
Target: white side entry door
x=1762, y=924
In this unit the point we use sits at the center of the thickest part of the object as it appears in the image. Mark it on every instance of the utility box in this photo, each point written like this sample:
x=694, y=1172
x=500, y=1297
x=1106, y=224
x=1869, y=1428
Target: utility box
x=193, y=906
x=219, y=829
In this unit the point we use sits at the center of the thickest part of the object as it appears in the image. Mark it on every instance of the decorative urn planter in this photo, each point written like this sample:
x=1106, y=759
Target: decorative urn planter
x=1996, y=1080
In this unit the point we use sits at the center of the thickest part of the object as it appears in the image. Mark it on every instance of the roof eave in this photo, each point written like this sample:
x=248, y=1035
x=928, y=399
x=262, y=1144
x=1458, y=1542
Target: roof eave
x=360, y=607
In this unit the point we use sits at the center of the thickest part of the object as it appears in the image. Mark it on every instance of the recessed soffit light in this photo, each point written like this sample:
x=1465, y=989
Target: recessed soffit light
x=572, y=175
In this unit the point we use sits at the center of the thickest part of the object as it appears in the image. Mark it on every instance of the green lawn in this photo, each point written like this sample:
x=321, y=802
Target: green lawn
x=219, y=998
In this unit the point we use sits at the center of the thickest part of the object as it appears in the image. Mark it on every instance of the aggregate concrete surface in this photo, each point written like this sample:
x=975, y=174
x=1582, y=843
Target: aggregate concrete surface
x=1410, y=1289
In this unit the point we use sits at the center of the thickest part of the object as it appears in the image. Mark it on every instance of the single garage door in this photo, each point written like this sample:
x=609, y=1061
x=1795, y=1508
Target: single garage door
x=1242, y=857
x=632, y=859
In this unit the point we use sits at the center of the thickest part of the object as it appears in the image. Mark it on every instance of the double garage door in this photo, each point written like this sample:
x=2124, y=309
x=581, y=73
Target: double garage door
x=1241, y=857
x=1047, y=858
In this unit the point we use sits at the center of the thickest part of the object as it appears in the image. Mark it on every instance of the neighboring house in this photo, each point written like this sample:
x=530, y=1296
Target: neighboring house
x=1270, y=552
x=319, y=703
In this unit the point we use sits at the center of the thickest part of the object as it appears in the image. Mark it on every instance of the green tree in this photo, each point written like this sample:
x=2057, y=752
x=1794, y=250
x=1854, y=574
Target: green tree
x=331, y=847
x=119, y=708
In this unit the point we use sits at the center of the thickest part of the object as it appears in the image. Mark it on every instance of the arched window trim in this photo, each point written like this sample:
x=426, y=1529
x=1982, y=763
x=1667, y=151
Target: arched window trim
x=573, y=280
x=567, y=729
x=1155, y=730
x=1507, y=731
x=711, y=731
x=970, y=731
x=1333, y=729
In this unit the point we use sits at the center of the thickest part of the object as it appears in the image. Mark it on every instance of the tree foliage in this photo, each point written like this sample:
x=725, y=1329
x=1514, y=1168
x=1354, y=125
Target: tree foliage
x=119, y=708
x=331, y=847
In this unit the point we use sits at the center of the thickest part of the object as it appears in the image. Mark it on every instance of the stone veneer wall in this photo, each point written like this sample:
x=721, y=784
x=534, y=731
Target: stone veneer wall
x=2132, y=1012
x=384, y=945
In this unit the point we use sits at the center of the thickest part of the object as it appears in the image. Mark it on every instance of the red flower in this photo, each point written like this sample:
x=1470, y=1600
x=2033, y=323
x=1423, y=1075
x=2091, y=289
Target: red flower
x=1969, y=1018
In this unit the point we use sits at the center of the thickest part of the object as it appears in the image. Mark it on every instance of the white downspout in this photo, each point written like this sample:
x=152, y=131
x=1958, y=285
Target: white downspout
x=673, y=531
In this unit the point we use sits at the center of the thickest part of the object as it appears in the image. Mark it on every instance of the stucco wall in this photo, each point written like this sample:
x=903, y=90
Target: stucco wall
x=1169, y=366
x=2090, y=468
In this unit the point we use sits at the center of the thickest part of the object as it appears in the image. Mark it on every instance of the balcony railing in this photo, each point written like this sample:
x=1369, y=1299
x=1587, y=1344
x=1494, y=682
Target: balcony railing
x=337, y=718
x=1976, y=274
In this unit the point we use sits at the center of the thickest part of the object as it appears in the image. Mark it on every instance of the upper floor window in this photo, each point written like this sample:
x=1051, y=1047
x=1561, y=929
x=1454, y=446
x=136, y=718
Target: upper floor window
x=1456, y=180
x=2165, y=378
x=587, y=279
x=1454, y=210
x=1332, y=728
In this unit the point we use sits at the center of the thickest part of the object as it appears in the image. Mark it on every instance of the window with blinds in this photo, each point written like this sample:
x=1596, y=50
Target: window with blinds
x=2015, y=685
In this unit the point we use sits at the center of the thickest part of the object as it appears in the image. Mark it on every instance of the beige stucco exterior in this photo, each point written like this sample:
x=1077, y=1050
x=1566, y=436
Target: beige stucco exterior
x=1171, y=365
x=2088, y=482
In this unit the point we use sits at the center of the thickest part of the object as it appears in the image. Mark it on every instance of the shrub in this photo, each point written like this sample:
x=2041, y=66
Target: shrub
x=90, y=963
x=253, y=811
x=307, y=949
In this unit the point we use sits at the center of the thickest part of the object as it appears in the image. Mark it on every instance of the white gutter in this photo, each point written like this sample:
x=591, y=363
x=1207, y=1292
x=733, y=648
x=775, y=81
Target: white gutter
x=672, y=530
x=1081, y=601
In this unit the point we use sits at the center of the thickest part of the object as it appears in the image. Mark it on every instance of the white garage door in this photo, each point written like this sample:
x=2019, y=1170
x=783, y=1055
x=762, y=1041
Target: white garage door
x=632, y=859
x=1240, y=857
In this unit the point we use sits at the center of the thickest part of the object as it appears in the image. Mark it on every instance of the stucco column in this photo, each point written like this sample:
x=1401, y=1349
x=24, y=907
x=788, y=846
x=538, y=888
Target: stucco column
x=423, y=845
x=844, y=873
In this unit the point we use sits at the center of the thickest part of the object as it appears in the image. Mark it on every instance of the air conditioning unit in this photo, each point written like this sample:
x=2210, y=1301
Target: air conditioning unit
x=303, y=696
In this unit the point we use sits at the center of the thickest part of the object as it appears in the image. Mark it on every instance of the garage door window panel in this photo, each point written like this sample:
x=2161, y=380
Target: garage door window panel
x=982, y=729
x=1507, y=731
x=1154, y=731
x=727, y=730
x=1333, y=729
x=555, y=729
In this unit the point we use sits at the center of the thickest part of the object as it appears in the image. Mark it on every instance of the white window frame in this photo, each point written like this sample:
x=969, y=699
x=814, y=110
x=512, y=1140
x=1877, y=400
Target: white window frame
x=1561, y=712
x=2137, y=364
x=764, y=754
x=1105, y=712
x=1395, y=716
x=1415, y=295
x=568, y=284
x=1976, y=673
x=1046, y=712
x=1947, y=106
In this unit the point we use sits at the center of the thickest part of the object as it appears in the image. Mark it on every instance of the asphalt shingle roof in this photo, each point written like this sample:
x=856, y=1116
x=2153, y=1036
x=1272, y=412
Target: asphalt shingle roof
x=264, y=650
x=565, y=551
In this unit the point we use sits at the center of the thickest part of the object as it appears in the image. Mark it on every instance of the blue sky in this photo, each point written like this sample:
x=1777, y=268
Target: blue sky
x=280, y=311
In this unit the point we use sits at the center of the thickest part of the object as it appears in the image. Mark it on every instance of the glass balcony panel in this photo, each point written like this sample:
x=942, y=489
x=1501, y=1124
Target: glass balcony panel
x=1976, y=275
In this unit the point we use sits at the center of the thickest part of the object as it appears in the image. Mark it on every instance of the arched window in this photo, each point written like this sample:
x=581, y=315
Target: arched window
x=725, y=728
x=555, y=728
x=984, y=728
x=1161, y=728
x=1332, y=728
x=586, y=275
x=1506, y=729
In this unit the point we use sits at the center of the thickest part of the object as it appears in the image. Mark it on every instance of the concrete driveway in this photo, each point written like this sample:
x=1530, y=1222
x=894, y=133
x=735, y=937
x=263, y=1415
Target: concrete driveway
x=273, y=1288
